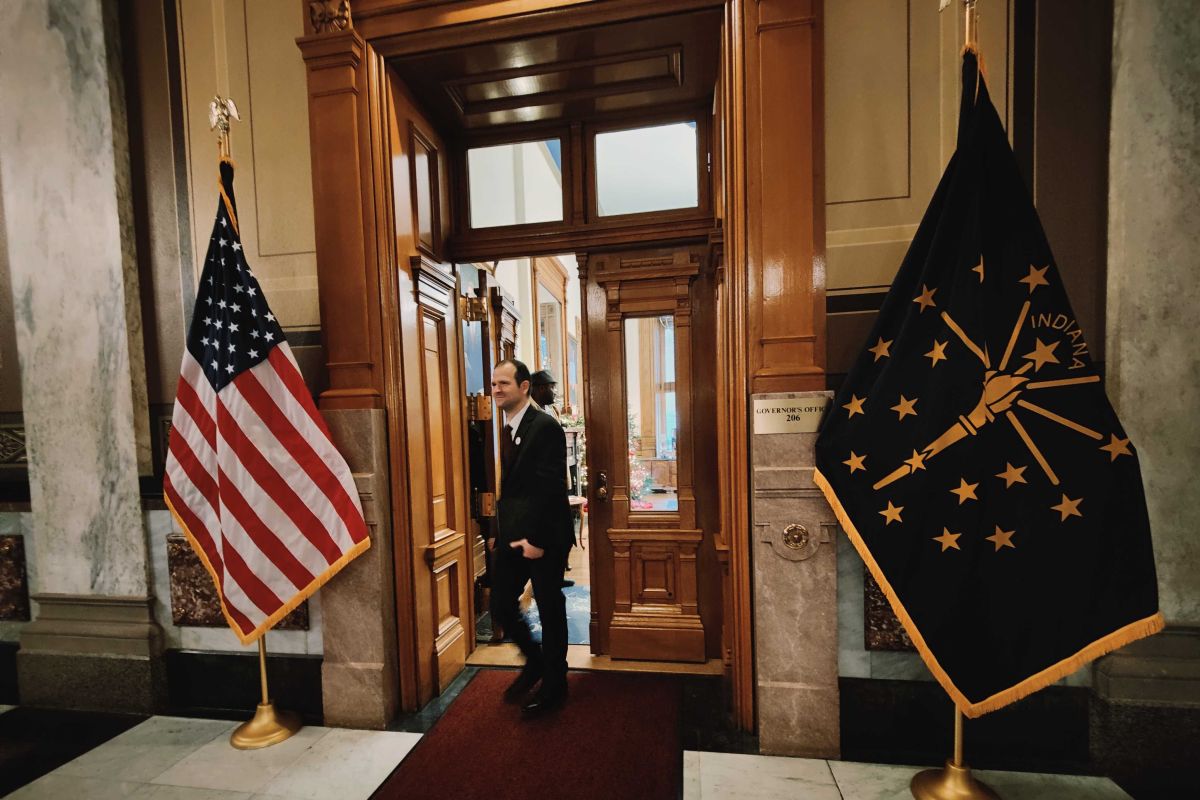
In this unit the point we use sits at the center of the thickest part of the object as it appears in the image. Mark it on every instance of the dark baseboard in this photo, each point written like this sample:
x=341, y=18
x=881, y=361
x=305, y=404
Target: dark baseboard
x=912, y=722
x=1149, y=750
x=226, y=685
x=8, y=673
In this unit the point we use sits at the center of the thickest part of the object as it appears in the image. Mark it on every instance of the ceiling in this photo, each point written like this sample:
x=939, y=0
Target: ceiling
x=589, y=73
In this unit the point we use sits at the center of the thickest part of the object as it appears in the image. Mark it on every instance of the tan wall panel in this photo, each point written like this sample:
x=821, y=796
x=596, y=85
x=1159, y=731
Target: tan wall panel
x=868, y=231
x=278, y=94
x=867, y=95
x=246, y=49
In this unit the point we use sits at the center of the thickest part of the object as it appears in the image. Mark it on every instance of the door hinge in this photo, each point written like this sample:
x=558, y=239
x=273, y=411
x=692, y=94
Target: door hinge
x=479, y=408
x=472, y=309
x=485, y=505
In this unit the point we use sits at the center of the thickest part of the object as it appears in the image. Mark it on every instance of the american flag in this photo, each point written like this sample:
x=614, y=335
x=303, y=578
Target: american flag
x=252, y=476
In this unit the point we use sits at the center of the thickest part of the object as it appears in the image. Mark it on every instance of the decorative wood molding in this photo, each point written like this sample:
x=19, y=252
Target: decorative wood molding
x=434, y=284
x=329, y=16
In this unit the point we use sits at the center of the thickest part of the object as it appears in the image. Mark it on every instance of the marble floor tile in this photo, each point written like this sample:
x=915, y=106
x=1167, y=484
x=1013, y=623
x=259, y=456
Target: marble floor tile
x=730, y=776
x=888, y=782
x=57, y=786
x=1032, y=786
x=344, y=765
x=144, y=752
x=691, y=775
x=219, y=765
x=873, y=781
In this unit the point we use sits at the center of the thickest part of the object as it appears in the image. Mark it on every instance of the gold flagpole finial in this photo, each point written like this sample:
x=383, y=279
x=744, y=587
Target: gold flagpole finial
x=220, y=111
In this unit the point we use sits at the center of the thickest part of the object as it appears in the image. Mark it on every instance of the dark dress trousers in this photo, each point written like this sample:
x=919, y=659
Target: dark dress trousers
x=533, y=505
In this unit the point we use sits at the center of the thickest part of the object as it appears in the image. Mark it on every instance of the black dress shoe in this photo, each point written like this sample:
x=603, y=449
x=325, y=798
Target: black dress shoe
x=568, y=582
x=524, y=682
x=545, y=701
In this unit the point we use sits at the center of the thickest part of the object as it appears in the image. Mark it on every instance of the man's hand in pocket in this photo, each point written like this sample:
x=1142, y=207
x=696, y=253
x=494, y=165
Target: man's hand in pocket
x=528, y=550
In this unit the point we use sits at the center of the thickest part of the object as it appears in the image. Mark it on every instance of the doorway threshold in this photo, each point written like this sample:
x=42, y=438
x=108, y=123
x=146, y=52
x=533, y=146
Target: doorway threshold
x=580, y=657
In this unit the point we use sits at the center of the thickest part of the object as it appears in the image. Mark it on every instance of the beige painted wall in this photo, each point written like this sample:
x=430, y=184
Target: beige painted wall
x=246, y=49
x=892, y=72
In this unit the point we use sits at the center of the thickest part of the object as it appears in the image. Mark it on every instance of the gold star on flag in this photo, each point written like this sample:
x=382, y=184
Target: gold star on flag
x=881, y=349
x=905, y=407
x=1036, y=277
x=925, y=298
x=965, y=491
x=948, y=540
x=1002, y=539
x=1068, y=508
x=1042, y=354
x=892, y=513
x=855, y=405
x=855, y=462
x=916, y=462
x=1012, y=475
x=979, y=268
x=1117, y=447
x=938, y=353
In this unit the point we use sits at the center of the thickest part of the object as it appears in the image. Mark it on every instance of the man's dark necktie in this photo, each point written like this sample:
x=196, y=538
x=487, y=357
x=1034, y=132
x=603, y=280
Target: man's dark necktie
x=507, y=450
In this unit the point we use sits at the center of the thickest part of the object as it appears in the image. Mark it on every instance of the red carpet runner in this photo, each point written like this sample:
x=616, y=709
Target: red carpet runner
x=616, y=738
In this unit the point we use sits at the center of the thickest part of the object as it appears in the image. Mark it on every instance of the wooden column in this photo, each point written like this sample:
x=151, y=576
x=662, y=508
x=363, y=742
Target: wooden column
x=347, y=257
x=785, y=195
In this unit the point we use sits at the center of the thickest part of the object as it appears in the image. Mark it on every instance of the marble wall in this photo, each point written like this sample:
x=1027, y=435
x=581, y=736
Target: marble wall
x=1154, y=276
x=64, y=178
x=795, y=594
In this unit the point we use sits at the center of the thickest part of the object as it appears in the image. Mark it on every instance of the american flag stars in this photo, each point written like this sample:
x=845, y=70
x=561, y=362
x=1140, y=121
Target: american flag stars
x=230, y=292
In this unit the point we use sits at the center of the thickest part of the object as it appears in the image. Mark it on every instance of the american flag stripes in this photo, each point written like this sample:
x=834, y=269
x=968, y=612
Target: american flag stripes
x=252, y=476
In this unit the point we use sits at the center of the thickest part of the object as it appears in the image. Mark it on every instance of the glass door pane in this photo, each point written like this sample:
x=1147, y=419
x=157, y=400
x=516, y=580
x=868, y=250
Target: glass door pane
x=651, y=413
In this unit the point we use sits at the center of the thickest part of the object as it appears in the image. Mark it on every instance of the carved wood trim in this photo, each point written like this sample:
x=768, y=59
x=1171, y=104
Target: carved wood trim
x=329, y=16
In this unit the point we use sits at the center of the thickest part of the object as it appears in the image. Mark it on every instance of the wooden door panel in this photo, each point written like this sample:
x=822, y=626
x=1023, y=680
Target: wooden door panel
x=647, y=572
x=435, y=402
x=447, y=556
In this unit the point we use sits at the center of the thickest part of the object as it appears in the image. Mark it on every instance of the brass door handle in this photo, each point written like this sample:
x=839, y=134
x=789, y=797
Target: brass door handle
x=601, y=486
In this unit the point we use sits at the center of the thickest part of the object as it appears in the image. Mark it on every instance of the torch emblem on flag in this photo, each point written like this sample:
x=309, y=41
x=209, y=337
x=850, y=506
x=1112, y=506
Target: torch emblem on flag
x=252, y=476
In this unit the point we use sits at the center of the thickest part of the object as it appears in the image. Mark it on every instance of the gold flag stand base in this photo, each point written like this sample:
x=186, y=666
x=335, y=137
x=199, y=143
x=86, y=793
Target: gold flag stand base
x=954, y=781
x=268, y=726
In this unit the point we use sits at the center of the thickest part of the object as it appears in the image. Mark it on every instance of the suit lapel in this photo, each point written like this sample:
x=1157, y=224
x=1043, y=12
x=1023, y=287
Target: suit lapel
x=520, y=437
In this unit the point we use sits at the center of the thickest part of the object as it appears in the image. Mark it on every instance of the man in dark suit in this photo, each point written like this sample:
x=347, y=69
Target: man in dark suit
x=535, y=532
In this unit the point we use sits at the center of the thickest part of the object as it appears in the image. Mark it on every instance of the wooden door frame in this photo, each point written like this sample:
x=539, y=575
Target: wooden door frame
x=349, y=87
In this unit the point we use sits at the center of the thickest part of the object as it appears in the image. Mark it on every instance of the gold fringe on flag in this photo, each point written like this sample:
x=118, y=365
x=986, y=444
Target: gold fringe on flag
x=1139, y=629
x=287, y=607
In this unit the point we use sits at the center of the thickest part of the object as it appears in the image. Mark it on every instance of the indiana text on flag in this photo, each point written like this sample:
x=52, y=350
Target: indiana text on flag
x=252, y=476
x=972, y=455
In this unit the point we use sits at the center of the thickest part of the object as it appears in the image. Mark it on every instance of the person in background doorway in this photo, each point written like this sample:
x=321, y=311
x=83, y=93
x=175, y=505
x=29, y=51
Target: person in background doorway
x=534, y=534
x=542, y=388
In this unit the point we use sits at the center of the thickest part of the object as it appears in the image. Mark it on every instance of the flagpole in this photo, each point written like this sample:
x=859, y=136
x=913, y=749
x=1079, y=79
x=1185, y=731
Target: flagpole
x=954, y=781
x=268, y=726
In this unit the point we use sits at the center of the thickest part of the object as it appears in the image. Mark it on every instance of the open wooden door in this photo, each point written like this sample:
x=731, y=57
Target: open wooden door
x=649, y=390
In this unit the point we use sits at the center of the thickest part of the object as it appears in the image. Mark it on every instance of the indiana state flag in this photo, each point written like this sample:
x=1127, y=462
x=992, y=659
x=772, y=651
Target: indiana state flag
x=972, y=455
